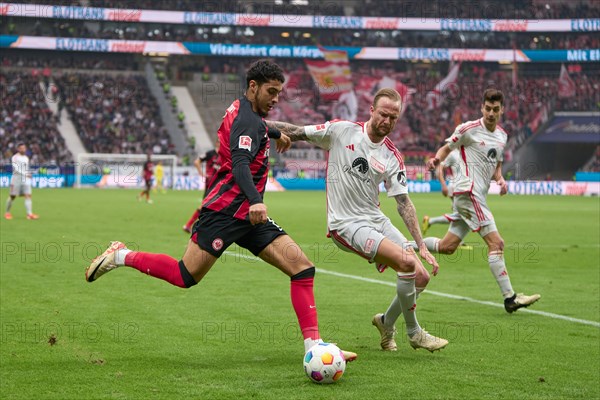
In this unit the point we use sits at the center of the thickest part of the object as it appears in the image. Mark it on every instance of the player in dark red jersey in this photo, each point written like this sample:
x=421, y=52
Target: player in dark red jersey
x=233, y=210
x=147, y=174
x=211, y=160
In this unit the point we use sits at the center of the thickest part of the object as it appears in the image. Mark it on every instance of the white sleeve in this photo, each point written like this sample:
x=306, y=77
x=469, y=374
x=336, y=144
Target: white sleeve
x=319, y=135
x=395, y=180
x=458, y=138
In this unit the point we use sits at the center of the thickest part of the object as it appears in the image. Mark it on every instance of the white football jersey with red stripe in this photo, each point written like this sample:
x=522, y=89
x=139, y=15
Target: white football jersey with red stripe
x=355, y=168
x=479, y=152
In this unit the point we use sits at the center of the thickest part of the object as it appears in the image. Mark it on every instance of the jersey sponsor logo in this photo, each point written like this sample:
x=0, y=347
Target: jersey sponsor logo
x=350, y=146
x=217, y=244
x=245, y=142
x=401, y=177
x=377, y=165
x=492, y=154
x=361, y=165
x=359, y=169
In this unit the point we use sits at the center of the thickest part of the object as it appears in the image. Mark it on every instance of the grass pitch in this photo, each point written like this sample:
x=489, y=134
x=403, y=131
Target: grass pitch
x=234, y=336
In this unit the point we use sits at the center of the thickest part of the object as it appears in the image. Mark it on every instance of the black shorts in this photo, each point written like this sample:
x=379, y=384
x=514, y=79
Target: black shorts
x=214, y=232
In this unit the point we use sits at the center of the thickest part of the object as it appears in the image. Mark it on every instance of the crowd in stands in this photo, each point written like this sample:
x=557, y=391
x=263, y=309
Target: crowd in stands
x=423, y=128
x=64, y=60
x=25, y=117
x=114, y=114
x=490, y=9
x=593, y=165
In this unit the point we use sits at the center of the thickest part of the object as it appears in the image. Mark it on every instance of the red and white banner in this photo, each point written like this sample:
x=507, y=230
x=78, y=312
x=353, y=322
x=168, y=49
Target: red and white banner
x=404, y=91
x=332, y=76
x=434, y=97
x=566, y=86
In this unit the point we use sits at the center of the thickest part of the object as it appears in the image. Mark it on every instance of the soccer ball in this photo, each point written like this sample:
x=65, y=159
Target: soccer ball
x=324, y=363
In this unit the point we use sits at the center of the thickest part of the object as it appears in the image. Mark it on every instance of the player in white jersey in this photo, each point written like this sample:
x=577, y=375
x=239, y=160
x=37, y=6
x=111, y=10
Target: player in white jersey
x=361, y=156
x=20, y=183
x=480, y=144
x=450, y=165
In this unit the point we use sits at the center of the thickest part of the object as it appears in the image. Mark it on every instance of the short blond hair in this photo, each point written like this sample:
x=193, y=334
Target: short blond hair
x=391, y=94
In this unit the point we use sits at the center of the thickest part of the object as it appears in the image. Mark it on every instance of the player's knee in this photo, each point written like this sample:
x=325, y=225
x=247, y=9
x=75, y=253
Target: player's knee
x=408, y=263
x=422, y=278
x=497, y=245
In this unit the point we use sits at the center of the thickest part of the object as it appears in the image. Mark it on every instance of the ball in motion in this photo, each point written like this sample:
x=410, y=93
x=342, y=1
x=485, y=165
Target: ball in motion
x=324, y=363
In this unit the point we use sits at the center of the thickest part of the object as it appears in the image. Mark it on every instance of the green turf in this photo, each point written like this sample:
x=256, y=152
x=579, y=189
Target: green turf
x=234, y=335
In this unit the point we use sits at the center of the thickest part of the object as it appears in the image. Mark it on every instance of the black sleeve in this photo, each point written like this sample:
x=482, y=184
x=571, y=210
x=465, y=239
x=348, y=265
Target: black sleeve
x=244, y=146
x=243, y=177
x=273, y=133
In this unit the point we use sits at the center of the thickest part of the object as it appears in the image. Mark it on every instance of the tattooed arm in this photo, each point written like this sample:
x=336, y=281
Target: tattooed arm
x=407, y=211
x=294, y=132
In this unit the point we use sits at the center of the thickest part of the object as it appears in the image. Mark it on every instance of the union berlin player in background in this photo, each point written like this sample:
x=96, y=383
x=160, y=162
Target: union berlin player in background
x=233, y=210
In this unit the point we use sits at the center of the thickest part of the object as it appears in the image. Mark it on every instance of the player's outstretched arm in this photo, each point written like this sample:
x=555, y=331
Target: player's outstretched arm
x=283, y=143
x=407, y=211
x=294, y=132
x=440, y=156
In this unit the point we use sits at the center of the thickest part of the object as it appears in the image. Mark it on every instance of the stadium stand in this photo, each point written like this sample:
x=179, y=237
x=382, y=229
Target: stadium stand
x=114, y=114
x=532, y=93
x=25, y=117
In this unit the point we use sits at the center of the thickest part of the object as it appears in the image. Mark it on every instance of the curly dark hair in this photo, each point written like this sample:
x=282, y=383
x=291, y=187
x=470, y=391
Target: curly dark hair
x=262, y=71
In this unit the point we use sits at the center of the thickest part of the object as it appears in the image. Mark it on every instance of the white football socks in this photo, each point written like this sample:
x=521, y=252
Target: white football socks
x=308, y=343
x=28, y=206
x=406, y=293
x=120, y=256
x=438, y=220
x=498, y=269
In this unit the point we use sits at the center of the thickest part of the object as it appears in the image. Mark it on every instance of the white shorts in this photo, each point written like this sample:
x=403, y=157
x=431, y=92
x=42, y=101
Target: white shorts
x=364, y=237
x=20, y=187
x=474, y=215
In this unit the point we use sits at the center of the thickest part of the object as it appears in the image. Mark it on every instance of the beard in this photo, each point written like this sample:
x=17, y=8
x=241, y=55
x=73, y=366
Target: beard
x=259, y=110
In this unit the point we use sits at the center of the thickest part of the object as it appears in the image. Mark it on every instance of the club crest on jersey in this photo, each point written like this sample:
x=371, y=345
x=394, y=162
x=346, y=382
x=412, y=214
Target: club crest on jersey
x=245, y=142
x=377, y=166
x=492, y=154
x=217, y=244
x=401, y=178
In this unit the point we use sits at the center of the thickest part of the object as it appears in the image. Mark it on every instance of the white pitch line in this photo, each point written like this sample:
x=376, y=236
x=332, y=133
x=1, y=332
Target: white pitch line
x=440, y=294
